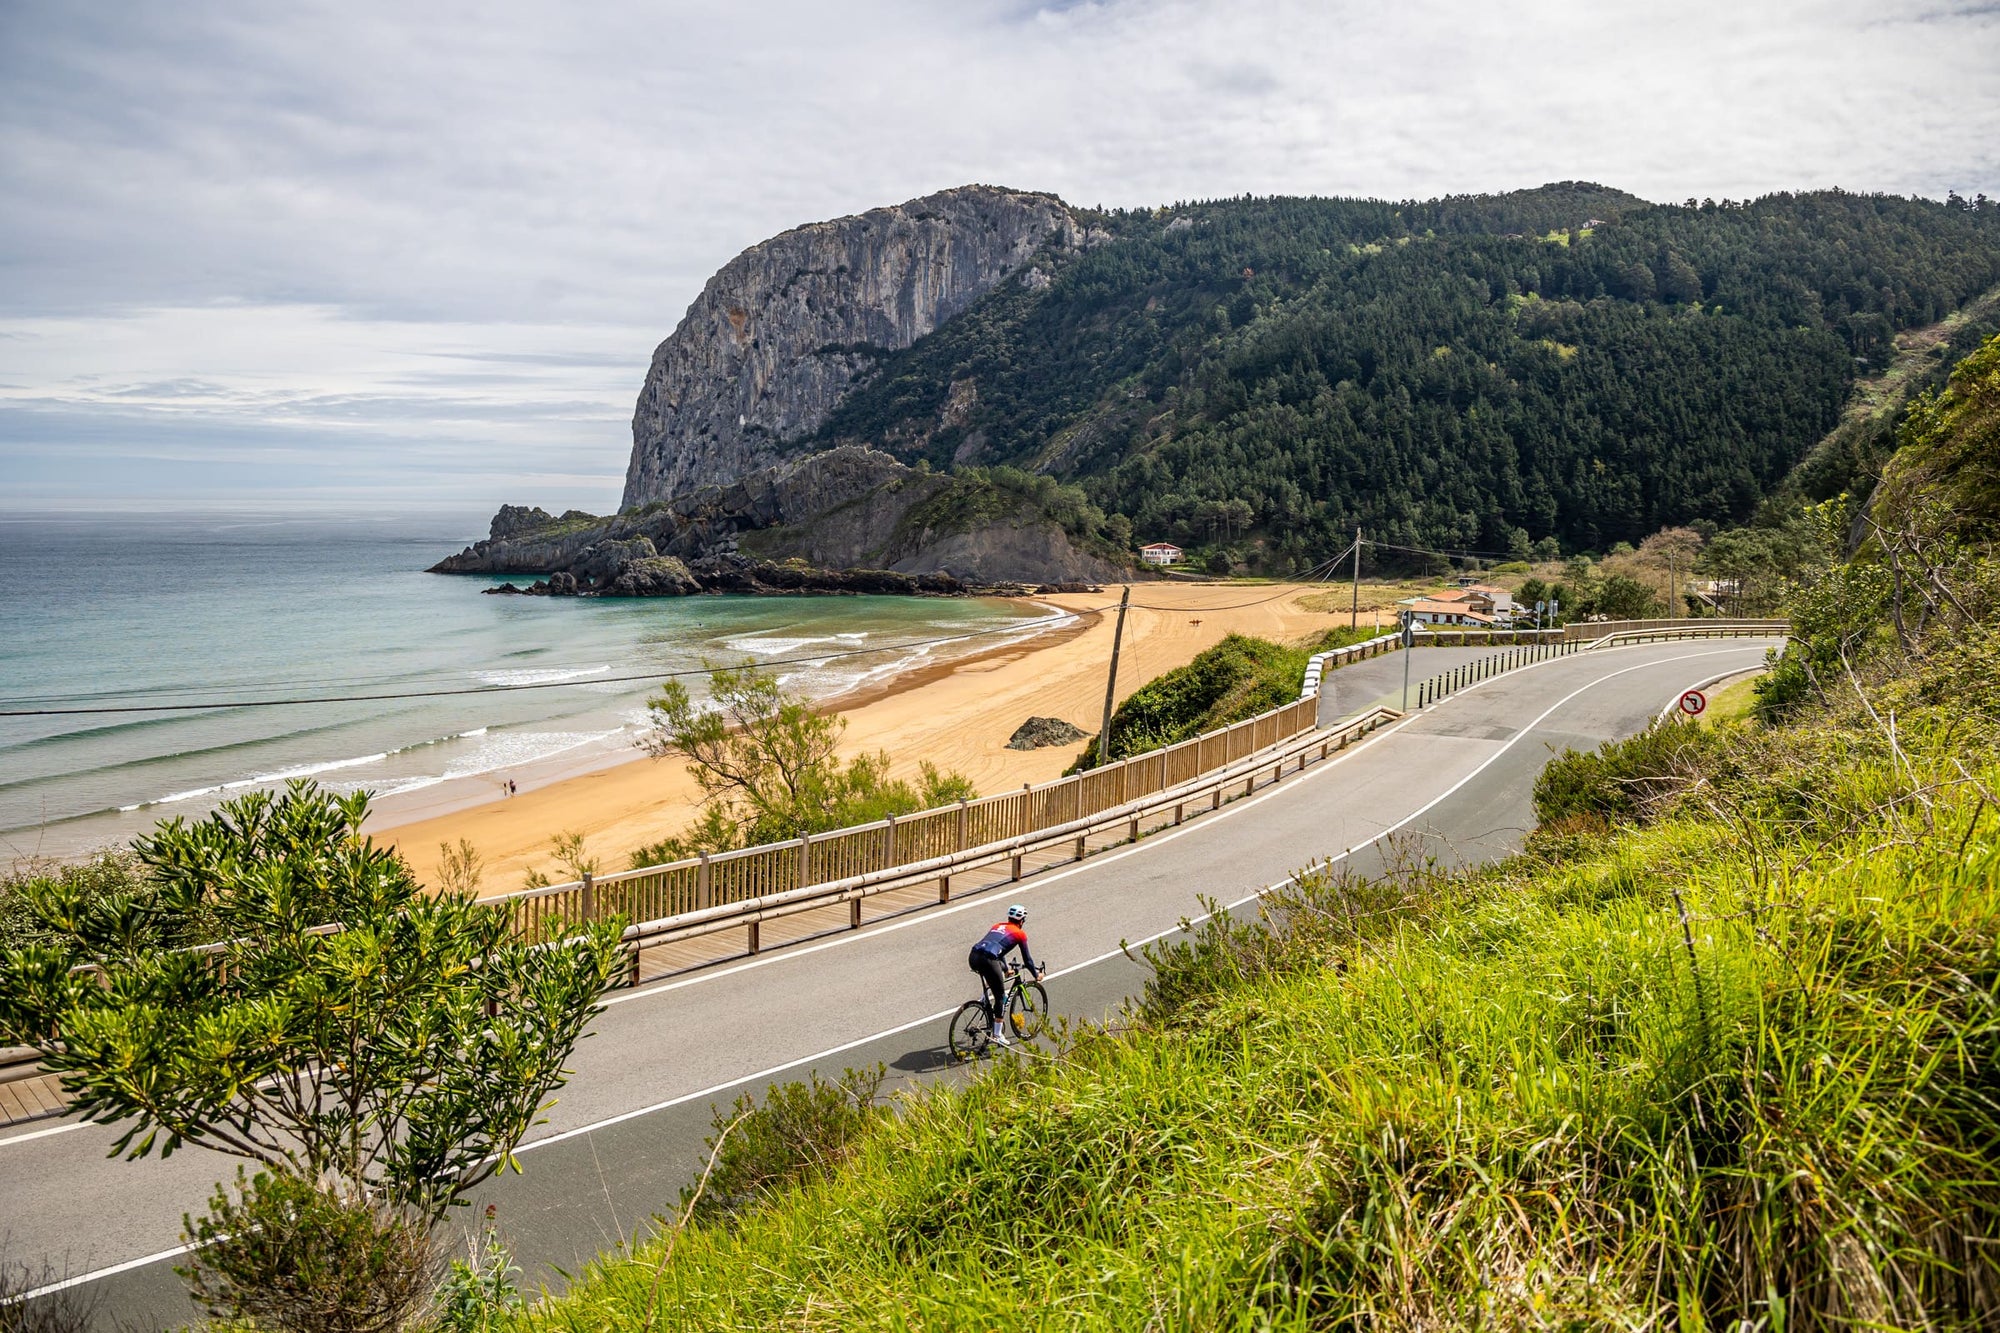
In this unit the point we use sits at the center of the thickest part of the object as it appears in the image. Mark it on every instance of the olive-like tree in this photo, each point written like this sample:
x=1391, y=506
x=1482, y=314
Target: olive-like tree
x=344, y=1026
x=767, y=763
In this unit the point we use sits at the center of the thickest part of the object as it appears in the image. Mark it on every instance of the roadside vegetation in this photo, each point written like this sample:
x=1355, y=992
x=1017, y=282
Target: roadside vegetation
x=1717, y=1049
x=1236, y=679
x=268, y=983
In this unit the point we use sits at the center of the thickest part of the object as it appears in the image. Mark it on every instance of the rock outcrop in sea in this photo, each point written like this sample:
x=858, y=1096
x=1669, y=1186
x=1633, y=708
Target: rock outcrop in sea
x=851, y=519
x=781, y=332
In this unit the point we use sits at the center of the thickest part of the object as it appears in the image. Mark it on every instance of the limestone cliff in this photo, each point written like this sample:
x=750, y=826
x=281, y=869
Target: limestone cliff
x=781, y=332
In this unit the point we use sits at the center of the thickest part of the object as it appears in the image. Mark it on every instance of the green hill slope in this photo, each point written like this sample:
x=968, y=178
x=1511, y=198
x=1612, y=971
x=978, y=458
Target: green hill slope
x=1467, y=373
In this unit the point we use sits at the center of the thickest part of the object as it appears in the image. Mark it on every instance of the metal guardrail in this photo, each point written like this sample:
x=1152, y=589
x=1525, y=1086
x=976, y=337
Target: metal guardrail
x=1596, y=631
x=1320, y=663
x=1449, y=682
x=1213, y=787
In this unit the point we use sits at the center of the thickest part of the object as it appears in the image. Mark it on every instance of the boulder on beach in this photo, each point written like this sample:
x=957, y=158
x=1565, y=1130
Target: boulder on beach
x=1038, y=732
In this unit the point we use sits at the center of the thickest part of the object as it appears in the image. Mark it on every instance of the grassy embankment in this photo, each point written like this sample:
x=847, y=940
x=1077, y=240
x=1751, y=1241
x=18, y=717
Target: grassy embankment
x=1719, y=1046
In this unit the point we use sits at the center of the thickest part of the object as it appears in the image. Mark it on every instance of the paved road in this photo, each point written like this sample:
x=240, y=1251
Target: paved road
x=628, y=1131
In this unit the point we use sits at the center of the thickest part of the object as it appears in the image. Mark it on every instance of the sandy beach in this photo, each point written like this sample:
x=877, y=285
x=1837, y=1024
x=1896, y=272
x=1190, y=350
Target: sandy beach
x=957, y=715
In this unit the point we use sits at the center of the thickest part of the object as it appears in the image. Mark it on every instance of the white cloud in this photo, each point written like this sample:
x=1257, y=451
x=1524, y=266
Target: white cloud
x=325, y=214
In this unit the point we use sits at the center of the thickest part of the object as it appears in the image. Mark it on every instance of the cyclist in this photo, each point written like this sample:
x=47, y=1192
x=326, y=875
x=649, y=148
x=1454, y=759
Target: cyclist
x=986, y=957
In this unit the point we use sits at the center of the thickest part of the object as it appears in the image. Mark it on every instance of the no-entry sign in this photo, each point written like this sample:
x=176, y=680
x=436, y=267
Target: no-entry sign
x=1693, y=702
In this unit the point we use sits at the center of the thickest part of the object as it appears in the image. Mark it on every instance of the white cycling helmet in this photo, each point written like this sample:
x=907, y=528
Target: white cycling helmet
x=1017, y=914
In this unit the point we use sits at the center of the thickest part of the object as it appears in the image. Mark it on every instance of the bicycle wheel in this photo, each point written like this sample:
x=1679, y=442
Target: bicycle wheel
x=1028, y=1010
x=971, y=1031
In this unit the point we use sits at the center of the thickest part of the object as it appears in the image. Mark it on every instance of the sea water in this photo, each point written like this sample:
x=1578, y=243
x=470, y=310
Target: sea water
x=231, y=653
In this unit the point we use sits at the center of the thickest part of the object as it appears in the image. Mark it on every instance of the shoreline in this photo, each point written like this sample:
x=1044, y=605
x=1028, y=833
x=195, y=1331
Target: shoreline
x=460, y=795
x=432, y=766
x=957, y=713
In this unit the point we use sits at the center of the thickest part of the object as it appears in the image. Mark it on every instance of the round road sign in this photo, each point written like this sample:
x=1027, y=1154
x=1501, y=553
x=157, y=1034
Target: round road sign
x=1693, y=702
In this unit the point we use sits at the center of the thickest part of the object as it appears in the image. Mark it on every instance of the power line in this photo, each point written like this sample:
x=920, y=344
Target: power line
x=1231, y=606
x=1461, y=555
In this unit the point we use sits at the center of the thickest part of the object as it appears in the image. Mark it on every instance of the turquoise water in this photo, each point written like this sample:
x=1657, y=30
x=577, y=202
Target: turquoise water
x=113, y=612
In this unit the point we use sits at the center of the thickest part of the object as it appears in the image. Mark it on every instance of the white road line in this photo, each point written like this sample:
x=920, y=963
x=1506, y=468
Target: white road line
x=95, y=1274
x=774, y=1070
x=1674, y=703
x=44, y=1133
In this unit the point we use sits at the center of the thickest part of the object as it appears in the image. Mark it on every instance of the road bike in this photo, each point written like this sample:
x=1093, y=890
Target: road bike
x=1027, y=1016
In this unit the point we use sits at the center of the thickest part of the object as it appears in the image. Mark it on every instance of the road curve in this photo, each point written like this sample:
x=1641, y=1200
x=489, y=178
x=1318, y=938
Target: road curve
x=628, y=1130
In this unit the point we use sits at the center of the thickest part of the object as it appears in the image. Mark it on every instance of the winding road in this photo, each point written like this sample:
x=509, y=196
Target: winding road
x=628, y=1130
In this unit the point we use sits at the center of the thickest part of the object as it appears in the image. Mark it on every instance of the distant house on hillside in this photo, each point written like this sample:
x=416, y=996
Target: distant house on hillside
x=1488, y=599
x=1430, y=611
x=1160, y=553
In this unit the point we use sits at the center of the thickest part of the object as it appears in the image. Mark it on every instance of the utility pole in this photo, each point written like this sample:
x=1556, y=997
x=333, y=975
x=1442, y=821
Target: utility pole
x=1111, y=684
x=1354, y=611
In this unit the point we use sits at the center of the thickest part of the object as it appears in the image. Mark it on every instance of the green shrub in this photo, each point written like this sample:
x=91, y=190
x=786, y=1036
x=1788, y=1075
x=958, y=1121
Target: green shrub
x=801, y=1131
x=1626, y=780
x=765, y=761
x=38, y=898
x=289, y=1255
x=479, y=1290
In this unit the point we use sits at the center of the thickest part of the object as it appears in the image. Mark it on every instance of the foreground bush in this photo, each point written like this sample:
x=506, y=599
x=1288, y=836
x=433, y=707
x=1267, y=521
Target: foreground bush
x=800, y=1132
x=293, y=1256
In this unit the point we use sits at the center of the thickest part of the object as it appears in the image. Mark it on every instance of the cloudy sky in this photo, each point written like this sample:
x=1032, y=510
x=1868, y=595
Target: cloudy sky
x=337, y=255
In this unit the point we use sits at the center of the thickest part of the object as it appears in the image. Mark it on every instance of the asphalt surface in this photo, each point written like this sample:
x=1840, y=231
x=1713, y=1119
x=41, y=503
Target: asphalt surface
x=628, y=1131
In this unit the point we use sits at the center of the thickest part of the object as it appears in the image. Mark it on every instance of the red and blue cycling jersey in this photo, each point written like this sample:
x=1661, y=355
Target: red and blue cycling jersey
x=1003, y=937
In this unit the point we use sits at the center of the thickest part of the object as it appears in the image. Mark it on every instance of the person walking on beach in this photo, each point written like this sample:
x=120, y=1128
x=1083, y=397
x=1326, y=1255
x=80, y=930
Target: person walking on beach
x=986, y=957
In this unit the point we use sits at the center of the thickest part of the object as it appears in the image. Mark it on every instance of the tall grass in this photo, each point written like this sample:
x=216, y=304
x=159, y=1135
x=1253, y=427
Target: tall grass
x=1728, y=1062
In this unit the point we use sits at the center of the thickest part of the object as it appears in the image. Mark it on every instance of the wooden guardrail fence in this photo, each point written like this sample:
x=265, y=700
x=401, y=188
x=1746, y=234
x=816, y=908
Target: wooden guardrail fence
x=752, y=873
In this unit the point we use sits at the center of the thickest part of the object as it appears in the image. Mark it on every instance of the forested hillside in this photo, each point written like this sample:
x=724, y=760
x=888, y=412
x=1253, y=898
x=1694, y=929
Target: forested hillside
x=1472, y=373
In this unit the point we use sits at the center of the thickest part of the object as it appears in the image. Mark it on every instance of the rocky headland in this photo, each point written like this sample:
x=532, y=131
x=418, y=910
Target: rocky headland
x=714, y=503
